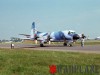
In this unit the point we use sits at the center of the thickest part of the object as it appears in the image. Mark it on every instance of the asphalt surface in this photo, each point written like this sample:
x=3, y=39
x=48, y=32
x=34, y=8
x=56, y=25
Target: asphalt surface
x=86, y=49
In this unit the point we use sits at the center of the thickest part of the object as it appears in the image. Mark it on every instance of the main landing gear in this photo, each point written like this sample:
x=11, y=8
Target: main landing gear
x=66, y=44
x=41, y=45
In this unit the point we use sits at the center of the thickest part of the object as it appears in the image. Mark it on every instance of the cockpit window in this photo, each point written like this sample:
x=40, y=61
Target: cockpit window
x=72, y=32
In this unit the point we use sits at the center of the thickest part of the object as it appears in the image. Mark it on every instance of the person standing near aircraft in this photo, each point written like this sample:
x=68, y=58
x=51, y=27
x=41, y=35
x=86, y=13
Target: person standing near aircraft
x=82, y=40
x=12, y=46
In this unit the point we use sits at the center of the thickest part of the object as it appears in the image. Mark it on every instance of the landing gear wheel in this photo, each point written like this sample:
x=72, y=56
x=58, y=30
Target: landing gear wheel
x=65, y=44
x=41, y=45
x=70, y=45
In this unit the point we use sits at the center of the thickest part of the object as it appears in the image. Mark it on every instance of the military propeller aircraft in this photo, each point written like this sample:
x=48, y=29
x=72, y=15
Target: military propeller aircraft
x=66, y=36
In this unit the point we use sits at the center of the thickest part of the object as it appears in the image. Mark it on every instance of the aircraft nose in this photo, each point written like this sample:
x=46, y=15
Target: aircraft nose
x=76, y=36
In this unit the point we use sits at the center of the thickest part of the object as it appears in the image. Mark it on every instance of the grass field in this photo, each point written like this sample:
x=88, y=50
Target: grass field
x=32, y=62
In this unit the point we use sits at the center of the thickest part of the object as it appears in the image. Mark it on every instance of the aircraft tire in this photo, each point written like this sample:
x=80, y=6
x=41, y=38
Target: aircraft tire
x=65, y=44
x=41, y=45
x=70, y=45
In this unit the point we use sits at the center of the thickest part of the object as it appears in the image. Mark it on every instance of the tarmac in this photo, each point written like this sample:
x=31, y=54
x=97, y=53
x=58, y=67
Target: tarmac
x=85, y=49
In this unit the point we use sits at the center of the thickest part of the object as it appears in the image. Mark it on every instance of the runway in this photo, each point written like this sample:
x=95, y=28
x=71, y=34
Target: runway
x=85, y=49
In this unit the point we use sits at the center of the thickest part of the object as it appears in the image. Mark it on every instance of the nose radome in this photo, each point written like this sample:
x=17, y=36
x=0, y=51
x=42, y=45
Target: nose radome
x=76, y=36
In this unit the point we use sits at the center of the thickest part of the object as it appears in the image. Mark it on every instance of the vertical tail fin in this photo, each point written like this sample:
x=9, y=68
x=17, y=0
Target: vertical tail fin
x=33, y=30
x=33, y=25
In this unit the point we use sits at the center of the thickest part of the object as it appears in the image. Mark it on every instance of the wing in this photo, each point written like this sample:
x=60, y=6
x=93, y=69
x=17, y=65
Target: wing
x=26, y=35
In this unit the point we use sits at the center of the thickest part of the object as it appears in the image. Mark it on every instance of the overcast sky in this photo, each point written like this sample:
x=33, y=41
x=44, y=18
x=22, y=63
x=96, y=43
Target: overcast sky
x=16, y=16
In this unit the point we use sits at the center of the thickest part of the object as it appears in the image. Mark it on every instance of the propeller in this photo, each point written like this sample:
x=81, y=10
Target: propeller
x=48, y=38
x=35, y=38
